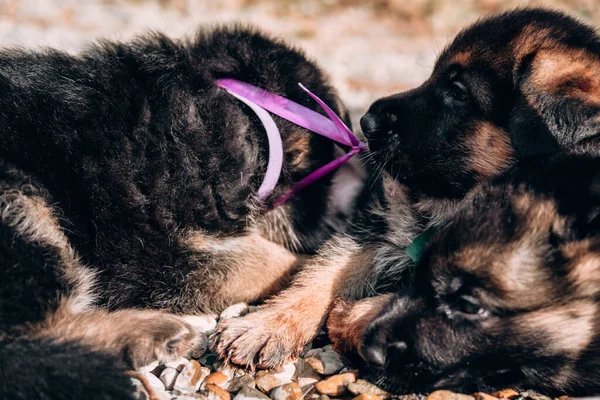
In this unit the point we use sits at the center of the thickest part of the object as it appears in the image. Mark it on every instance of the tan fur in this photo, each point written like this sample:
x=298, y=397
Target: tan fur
x=348, y=321
x=35, y=220
x=490, y=151
x=569, y=328
x=136, y=337
x=295, y=316
x=249, y=268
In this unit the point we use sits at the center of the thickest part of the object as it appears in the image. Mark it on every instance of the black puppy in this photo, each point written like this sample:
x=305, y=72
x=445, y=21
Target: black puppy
x=128, y=180
x=507, y=293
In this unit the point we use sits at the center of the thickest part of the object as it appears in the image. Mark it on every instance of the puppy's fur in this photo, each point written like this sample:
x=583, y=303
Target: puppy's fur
x=127, y=181
x=507, y=293
x=510, y=87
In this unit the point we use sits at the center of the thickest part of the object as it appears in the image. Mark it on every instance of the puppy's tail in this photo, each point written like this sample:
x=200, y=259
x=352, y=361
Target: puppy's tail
x=47, y=370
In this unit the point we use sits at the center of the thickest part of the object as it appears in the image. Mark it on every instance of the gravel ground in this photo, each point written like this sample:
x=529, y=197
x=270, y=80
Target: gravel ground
x=319, y=374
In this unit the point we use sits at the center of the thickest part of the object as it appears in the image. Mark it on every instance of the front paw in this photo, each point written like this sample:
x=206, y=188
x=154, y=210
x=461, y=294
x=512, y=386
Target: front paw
x=264, y=339
x=160, y=337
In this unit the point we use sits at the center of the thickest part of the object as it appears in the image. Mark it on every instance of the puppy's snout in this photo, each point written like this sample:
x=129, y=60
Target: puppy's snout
x=370, y=123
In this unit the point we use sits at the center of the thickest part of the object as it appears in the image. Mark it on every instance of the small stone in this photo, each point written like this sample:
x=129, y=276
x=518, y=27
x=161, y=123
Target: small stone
x=236, y=310
x=289, y=391
x=190, y=396
x=448, y=395
x=367, y=396
x=529, y=395
x=236, y=384
x=215, y=392
x=204, y=323
x=231, y=372
x=484, y=396
x=267, y=380
x=248, y=393
x=323, y=397
x=335, y=385
x=252, y=309
x=150, y=367
x=216, y=378
x=177, y=364
x=362, y=386
x=306, y=376
x=505, y=393
x=325, y=361
x=189, y=378
x=153, y=381
x=168, y=377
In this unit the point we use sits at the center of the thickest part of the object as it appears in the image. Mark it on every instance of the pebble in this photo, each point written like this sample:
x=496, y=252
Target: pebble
x=325, y=361
x=190, y=396
x=248, y=393
x=189, y=378
x=306, y=375
x=484, y=396
x=367, y=396
x=335, y=385
x=448, y=395
x=289, y=391
x=505, y=393
x=231, y=372
x=362, y=386
x=153, y=380
x=216, y=378
x=236, y=384
x=178, y=364
x=168, y=377
x=204, y=323
x=149, y=368
x=533, y=396
x=236, y=310
x=215, y=392
x=267, y=380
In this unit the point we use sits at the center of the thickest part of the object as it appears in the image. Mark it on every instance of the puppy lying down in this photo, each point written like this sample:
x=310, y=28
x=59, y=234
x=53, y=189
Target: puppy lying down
x=129, y=182
x=507, y=294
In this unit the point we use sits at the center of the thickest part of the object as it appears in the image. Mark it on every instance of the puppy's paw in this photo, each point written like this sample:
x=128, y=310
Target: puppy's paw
x=264, y=339
x=161, y=337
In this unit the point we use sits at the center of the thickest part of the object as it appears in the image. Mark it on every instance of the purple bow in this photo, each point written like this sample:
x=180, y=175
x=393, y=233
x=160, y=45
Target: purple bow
x=333, y=128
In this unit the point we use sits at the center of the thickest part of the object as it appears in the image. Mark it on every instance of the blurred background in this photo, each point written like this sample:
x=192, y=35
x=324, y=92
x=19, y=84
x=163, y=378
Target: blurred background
x=369, y=48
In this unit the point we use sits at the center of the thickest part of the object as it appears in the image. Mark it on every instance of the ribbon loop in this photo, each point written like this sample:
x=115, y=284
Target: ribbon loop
x=333, y=128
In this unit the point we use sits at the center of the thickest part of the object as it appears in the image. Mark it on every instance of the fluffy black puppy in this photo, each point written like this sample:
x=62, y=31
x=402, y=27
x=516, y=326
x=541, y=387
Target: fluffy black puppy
x=128, y=180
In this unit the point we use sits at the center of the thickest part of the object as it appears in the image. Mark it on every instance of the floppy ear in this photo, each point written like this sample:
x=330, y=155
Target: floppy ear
x=558, y=103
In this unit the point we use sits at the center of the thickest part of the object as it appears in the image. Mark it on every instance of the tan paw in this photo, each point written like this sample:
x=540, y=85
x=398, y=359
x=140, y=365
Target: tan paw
x=263, y=339
x=144, y=337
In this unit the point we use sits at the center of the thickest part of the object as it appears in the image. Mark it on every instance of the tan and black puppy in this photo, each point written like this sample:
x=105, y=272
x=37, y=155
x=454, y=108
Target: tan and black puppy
x=510, y=87
x=507, y=294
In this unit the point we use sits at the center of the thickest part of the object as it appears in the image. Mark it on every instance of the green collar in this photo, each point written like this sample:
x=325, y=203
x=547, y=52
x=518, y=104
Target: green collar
x=417, y=247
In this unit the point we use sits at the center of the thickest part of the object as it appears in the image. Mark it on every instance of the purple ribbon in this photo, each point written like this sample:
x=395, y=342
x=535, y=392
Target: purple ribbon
x=333, y=128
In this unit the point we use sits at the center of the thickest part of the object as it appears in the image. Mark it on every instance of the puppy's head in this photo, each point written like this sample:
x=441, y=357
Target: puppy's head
x=514, y=85
x=508, y=292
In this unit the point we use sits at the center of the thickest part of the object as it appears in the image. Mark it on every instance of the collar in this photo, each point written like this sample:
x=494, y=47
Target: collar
x=261, y=101
x=417, y=247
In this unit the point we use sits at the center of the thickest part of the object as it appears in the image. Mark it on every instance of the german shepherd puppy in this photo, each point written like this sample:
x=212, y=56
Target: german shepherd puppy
x=128, y=182
x=517, y=85
x=507, y=292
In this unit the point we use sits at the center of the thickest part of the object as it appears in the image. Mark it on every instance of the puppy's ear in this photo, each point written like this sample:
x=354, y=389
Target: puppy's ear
x=558, y=103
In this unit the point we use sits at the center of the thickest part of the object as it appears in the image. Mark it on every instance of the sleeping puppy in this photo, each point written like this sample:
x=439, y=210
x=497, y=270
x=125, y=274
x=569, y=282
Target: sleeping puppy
x=506, y=294
x=128, y=181
x=510, y=87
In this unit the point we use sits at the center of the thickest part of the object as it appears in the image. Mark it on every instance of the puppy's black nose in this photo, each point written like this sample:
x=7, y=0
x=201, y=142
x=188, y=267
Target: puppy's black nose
x=370, y=123
x=377, y=353
x=373, y=354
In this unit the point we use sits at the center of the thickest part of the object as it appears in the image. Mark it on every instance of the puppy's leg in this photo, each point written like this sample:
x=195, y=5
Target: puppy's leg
x=47, y=294
x=348, y=320
x=232, y=270
x=271, y=336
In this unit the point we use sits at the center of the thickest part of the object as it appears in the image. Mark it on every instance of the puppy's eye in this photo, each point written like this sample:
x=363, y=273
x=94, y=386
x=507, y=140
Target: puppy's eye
x=468, y=305
x=459, y=91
